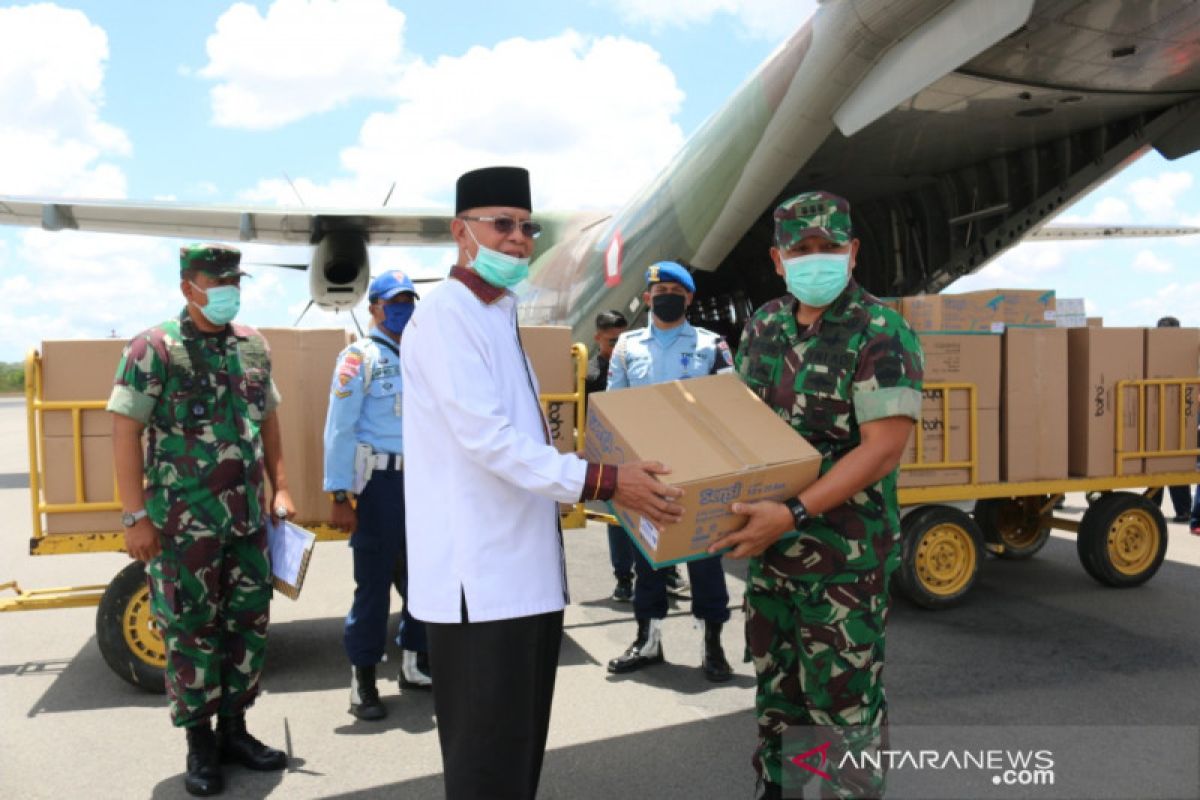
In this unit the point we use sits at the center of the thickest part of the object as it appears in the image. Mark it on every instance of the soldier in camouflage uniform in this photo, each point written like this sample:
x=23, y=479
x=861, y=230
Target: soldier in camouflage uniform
x=200, y=388
x=846, y=372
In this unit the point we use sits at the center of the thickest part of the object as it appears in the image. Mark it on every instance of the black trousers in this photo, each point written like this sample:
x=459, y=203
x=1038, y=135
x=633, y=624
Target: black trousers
x=493, y=685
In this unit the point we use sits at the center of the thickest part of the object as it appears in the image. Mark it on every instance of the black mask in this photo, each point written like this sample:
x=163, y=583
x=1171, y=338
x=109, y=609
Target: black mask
x=668, y=308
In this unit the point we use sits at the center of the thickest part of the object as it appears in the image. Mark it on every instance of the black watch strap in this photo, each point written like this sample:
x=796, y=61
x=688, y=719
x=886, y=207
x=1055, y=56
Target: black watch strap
x=799, y=512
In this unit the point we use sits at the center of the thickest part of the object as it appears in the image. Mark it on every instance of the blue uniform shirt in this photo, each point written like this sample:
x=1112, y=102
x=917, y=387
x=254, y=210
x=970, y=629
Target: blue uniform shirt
x=652, y=355
x=371, y=415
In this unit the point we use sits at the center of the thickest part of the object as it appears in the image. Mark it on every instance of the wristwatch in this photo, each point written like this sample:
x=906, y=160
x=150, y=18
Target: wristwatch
x=129, y=520
x=340, y=496
x=799, y=512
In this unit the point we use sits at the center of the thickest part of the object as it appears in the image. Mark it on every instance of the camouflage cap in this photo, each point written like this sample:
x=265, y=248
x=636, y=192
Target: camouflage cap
x=812, y=214
x=217, y=260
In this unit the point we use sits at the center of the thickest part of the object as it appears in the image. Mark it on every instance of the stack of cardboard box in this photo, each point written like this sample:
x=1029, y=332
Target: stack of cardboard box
x=302, y=366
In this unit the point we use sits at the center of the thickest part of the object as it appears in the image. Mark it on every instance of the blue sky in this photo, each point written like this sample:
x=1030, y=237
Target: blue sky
x=215, y=102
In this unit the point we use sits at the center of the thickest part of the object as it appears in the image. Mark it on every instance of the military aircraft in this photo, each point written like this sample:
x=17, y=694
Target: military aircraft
x=956, y=128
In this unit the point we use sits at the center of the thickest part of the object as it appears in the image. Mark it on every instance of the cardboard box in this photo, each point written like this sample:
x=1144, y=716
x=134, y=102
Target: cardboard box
x=1171, y=353
x=1033, y=426
x=548, y=348
x=1095, y=322
x=79, y=370
x=1097, y=358
x=302, y=362
x=58, y=483
x=1070, y=312
x=722, y=444
x=962, y=358
x=988, y=310
x=933, y=429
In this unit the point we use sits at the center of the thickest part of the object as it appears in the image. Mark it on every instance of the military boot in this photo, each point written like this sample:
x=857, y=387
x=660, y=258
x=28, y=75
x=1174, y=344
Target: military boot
x=239, y=746
x=646, y=648
x=712, y=657
x=412, y=676
x=771, y=791
x=364, y=697
x=203, y=776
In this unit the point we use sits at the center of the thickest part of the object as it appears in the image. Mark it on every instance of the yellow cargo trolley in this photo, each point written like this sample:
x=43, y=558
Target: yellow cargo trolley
x=1121, y=538
x=125, y=629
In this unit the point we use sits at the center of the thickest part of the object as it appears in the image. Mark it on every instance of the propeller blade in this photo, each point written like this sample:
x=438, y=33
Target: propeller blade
x=389, y=194
x=300, y=267
x=302, y=313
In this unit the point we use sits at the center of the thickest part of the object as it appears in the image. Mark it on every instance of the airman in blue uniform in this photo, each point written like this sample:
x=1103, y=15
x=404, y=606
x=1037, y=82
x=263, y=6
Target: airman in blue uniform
x=667, y=349
x=364, y=458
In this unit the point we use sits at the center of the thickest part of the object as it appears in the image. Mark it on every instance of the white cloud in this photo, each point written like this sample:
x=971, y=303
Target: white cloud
x=1148, y=261
x=592, y=119
x=304, y=57
x=1157, y=196
x=52, y=138
x=772, y=20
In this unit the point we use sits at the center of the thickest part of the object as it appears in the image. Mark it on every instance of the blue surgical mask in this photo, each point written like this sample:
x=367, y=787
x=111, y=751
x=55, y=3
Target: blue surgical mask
x=817, y=280
x=223, y=303
x=498, y=269
x=397, y=315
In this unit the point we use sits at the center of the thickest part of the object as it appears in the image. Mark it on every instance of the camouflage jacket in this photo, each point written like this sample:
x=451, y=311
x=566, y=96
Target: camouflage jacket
x=202, y=399
x=859, y=362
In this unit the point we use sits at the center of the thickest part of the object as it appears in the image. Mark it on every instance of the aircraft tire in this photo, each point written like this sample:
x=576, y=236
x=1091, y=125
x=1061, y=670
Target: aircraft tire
x=125, y=630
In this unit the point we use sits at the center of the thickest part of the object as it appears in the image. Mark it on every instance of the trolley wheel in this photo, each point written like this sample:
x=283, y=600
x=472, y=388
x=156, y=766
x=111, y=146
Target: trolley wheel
x=940, y=555
x=1016, y=523
x=125, y=630
x=1122, y=539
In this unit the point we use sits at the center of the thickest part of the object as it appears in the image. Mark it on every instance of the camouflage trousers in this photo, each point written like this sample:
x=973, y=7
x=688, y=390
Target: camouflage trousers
x=818, y=652
x=211, y=597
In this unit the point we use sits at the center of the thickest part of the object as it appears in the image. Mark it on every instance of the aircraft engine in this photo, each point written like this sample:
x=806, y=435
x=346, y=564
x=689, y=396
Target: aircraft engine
x=340, y=270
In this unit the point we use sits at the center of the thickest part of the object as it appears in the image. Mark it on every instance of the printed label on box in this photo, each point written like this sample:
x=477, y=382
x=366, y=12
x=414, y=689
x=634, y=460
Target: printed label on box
x=649, y=533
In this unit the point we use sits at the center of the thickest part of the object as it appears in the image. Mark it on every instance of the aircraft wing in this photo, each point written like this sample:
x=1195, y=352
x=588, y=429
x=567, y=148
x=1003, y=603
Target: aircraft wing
x=300, y=226
x=1081, y=232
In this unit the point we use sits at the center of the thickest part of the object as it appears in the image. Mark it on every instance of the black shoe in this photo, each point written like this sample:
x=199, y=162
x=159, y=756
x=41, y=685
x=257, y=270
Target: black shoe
x=676, y=583
x=645, y=650
x=623, y=592
x=239, y=746
x=1181, y=518
x=364, y=696
x=203, y=777
x=713, y=662
x=771, y=791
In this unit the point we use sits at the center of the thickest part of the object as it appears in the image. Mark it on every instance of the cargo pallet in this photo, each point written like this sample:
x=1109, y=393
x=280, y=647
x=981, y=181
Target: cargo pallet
x=1122, y=537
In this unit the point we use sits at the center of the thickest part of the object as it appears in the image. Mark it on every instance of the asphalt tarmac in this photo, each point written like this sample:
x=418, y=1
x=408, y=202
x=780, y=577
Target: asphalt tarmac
x=1037, y=643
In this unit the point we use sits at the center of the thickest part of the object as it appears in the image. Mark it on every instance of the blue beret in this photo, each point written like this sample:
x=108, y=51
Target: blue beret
x=390, y=284
x=669, y=272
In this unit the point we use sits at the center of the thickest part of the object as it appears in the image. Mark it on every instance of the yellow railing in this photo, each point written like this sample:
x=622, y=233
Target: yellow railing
x=1186, y=420
x=971, y=464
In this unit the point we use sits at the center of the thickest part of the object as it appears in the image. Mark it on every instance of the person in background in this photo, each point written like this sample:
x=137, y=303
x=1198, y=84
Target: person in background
x=1181, y=496
x=669, y=348
x=364, y=461
x=609, y=326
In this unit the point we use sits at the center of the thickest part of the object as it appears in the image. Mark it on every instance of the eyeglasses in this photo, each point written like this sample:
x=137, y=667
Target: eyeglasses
x=506, y=225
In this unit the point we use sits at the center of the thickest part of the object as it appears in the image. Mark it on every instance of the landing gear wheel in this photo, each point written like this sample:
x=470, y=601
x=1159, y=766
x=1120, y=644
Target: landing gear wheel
x=940, y=555
x=1017, y=523
x=1122, y=539
x=125, y=630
